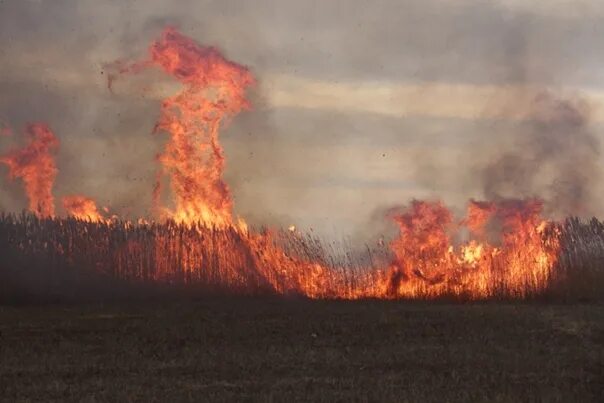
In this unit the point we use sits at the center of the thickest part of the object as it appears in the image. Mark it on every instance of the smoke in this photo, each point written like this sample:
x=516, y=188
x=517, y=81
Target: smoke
x=537, y=139
x=307, y=154
x=554, y=156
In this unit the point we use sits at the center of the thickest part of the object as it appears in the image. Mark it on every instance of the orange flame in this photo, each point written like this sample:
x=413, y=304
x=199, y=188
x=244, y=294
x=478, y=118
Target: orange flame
x=427, y=264
x=35, y=165
x=82, y=208
x=213, y=90
x=511, y=250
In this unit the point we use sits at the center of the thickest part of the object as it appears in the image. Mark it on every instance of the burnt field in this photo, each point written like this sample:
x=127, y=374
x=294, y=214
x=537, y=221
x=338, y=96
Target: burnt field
x=269, y=349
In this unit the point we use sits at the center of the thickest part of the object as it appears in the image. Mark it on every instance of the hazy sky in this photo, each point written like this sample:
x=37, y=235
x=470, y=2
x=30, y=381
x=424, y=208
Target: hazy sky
x=360, y=106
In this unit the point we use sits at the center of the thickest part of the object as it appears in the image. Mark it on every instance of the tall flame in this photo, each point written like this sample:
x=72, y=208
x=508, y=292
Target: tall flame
x=34, y=164
x=213, y=89
x=511, y=250
x=426, y=260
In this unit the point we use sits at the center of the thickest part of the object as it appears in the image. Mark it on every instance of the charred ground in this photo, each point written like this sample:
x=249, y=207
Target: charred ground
x=267, y=349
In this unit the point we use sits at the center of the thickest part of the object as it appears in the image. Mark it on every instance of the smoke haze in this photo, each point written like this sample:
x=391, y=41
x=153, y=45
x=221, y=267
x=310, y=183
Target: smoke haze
x=360, y=105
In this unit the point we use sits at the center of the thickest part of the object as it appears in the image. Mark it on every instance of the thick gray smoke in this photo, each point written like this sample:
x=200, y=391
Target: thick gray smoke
x=553, y=156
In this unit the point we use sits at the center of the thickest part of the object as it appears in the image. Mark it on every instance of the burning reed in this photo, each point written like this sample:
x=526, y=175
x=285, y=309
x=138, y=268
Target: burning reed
x=231, y=260
x=500, y=249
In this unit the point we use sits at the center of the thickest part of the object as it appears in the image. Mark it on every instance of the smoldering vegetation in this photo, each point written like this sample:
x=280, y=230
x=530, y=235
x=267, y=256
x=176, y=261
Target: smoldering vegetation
x=72, y=260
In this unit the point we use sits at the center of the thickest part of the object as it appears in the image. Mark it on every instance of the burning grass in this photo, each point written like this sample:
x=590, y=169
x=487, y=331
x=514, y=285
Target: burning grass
x=502, y=248
x=74, y=258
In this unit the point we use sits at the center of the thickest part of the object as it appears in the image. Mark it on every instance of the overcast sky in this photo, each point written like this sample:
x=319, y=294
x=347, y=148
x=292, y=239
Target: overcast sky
x=360, y=106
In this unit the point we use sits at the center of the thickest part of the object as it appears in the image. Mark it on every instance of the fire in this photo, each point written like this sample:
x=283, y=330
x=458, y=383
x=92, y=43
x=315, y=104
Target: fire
x=82, y=208
x=472, y=253
x=426, y=263
x=500, y=248
x=423, y=249
x=34, y=164
x=213, y=89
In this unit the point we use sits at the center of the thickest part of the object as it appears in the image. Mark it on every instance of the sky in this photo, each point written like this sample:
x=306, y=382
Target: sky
x=360, y=105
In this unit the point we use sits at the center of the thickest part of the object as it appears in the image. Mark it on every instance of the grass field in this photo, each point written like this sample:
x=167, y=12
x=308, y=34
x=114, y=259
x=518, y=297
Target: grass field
x=266, y=349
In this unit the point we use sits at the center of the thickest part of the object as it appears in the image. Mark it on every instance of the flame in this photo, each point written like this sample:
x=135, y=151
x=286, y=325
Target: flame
x=82, y=208
x=511, y=250
x=472, y=253
x=427, y=264
x=213, y=89
x=425, y=260
x=34, y=164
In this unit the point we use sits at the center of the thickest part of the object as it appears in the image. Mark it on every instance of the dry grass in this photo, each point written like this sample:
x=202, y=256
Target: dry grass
x=146, y=342
x=66, y=259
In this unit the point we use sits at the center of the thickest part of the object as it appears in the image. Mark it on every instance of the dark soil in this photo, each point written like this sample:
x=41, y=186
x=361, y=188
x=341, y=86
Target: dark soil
x=253, y=349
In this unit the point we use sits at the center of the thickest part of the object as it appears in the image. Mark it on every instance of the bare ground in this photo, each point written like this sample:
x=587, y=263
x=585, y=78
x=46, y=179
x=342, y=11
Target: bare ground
x=263, y=349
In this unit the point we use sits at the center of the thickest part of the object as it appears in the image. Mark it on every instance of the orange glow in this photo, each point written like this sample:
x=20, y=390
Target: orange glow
x=82, y=208
x=34, y=164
